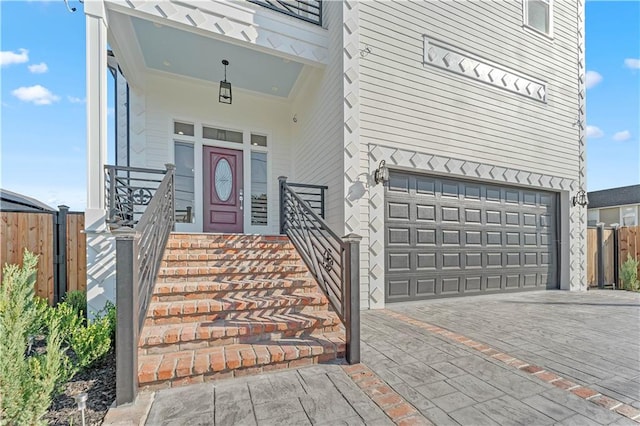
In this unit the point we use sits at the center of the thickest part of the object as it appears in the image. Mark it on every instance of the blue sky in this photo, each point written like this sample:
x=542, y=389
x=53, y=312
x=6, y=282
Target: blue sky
x=43, y=122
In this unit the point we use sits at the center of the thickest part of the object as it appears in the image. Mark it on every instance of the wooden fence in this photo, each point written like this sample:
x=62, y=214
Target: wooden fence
x=609, y=253
x=62, y=263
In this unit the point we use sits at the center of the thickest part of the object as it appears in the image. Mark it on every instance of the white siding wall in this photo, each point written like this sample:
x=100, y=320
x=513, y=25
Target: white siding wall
x=404, y=103
x=317, y=136
x=174, y=98
x=427, y=110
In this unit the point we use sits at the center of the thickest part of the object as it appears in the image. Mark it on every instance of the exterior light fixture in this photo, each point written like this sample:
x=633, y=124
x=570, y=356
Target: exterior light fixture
x=81, y=400
x=225, y=86
x=580, y=199
x=381, y=175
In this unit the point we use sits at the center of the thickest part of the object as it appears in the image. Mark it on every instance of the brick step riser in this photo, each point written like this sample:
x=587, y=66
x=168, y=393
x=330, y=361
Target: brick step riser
x=265, y=268
x=224, y=341
x=230, y=315
x=233, y=263
x=208, y=295
x=232, y=277
x=227, y=246
x=243, y=285
x=203, y=306
x=190, y=375
x=181, y=236
x=226, y=250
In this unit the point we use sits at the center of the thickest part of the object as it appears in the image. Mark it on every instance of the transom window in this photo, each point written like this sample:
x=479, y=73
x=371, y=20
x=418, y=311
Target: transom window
x=538, y=15
x=221, y=134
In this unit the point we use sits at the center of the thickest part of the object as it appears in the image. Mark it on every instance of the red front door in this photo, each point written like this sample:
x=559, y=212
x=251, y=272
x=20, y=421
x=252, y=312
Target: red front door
x=223, y=190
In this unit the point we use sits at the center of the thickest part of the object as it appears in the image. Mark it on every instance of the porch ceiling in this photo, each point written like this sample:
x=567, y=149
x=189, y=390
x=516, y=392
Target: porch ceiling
x=185, y=53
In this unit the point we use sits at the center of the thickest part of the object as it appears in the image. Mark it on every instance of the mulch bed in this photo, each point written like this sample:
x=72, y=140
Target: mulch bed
x=100, y=384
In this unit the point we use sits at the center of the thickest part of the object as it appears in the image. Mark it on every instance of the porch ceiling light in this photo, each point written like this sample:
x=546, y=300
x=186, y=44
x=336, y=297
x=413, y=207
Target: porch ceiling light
x=580, y=199
x=381, y=175
x=225, y=86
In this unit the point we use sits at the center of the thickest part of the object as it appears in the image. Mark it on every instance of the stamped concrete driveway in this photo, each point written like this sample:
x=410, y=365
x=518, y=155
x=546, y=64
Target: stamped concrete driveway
x=584, y=349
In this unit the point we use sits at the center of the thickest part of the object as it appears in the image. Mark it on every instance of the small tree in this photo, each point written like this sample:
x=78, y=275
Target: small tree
x=27, y=383
x=629, y=274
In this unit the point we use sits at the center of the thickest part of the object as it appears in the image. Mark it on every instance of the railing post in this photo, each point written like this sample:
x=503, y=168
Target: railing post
x=171, y=168
x=616, y=256
x=283, y=181
x=112, y=192
x=127, y=317
x=61, y=261
x=322, y=215
x=351, y=301
x=600, y=246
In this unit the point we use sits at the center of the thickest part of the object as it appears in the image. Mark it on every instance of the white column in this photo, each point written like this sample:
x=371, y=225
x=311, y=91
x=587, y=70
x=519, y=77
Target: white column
x=96, y=50
x=100, y=243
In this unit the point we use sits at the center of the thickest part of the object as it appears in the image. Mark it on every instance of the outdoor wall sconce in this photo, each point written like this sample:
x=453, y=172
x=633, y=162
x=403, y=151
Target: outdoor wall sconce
x=225, y=86
x=381, y=175
x=580, y=199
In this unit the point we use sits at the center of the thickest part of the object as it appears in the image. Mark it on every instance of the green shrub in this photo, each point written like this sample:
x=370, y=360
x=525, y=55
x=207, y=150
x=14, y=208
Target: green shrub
x=27, y=383
x=78, y=302
x=68, y=319
x=91, y=343
x=629, y=274
x=109, y=311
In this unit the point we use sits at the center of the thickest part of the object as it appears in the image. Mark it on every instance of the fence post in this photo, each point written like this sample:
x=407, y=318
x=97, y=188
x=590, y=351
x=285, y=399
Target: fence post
x=616, y=256
x=351, y=301
x=600, y=246
x=127, y=317
x=61, y=253
x=283, y=181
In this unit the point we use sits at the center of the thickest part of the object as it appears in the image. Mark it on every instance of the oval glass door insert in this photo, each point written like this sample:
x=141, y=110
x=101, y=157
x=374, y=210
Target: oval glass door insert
x=223, y=179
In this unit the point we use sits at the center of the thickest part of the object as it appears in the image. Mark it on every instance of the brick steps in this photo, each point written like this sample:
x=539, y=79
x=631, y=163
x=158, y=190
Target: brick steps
x=192, y=335
x=226, y=259
x=193, y=290
x=205, y=273
x=198, y=365
x=230, y=305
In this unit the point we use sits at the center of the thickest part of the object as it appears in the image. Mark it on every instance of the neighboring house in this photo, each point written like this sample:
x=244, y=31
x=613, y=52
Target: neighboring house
x=14, y=202
x=615, y=206
x=476, y=108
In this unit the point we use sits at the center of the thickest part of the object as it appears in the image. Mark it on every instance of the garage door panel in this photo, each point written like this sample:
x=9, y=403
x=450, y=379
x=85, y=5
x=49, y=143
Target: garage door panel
x=448, y=237
x=398, y=211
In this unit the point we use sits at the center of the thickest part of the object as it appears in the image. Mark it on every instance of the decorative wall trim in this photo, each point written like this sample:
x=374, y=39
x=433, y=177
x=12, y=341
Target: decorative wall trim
x=441, y=55
x=422, y=162
x=578, y=214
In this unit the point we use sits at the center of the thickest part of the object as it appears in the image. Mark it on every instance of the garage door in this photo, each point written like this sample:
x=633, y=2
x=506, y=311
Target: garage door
x=451, y=238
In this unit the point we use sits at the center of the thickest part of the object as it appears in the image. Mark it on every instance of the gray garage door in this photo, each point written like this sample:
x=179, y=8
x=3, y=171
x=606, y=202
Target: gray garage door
x=451, y=237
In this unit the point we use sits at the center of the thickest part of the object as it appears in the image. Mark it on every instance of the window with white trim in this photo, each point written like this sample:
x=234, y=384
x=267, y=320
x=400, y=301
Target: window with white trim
x=538, y=15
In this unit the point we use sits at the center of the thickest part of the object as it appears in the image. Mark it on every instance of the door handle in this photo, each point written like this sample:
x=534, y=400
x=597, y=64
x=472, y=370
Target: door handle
x=241, y=198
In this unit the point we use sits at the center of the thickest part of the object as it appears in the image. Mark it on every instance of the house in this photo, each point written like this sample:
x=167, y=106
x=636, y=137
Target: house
x=14, y=202
x=448, y=135
x=615, y=206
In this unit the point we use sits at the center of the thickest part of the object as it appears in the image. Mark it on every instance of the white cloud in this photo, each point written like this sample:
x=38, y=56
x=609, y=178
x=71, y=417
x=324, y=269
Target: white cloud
x=40, y=68
x=632, y=63
x=592, y=79
x=76, y=100
x=37, y=94
x=622, y=136
x=8, y=57
x=594, y=132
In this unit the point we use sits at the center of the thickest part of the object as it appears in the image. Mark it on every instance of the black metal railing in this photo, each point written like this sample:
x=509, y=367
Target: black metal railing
x=139, y=252
x=129, y=191
x=307, y=10
x=333, y=261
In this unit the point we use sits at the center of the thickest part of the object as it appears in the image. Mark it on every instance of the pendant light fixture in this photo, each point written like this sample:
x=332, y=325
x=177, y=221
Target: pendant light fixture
x=225, y=86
